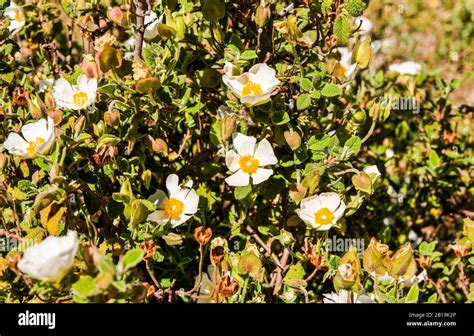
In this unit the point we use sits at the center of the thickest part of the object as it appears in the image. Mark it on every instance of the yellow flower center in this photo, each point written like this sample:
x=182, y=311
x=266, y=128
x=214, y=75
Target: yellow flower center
x=323, y=216
x=174, y=208
x=252, y=89
x=248, y=164
x=79, y=98
x=18, y=15
x=33, y=144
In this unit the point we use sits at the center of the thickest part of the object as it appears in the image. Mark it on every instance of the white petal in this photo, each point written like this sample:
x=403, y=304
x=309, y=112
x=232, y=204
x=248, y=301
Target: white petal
x=235, y=84
x=244, y=144
x=62, y=93
x=16, y=145
x=311, y=204
x=232, y=160
x=306, y=216
x=172, y=184
x=365, y=25
x=339, y=212
x=262, y=174
x=323, y=227
x=181, y=220
x=191, y=202
x=49, y=137
x=330, y=200
x=238, y=179
x=159, y=216
x=158, y=199
x=250, y=100
x=264, y=153
x=35, y=130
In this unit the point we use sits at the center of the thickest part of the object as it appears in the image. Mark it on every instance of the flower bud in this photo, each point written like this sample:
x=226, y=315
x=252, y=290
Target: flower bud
x=36, y=107
x=249, y=263
x=202, y=236
x=469, y=229
x=361, y=182
x=348, y=272
x=146, y=178
x=374, y=256
x=403, y=263
x=227, y=127
x=262, y=15
x=159, y=145
x=173, y=239
x=461, y=250
x=293, y=139
x=112, y=118
x=56, y=115
x=115, y=15
x=89, y=66
x=213, y=9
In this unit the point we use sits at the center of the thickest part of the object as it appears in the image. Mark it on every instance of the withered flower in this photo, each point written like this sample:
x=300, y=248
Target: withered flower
x=227, y=286
x=149, y=247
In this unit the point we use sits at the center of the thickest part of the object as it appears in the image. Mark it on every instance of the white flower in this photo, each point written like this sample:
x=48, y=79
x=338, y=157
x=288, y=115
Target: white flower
x=343, y=297
x=372, y=171
x=179, y=206
x=406, y=68
x=387, y=278
x=16, y=16
x=37, y=138
x=366, y=26
x=151, y=25
x=253, y=87
x=75, y=97
x=389, y=153
x=247, y=159
x=345, y=62
x=321, y=211
x=50, y=259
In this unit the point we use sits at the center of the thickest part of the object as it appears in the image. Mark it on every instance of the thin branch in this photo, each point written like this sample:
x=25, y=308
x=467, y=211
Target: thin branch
x=139, y=28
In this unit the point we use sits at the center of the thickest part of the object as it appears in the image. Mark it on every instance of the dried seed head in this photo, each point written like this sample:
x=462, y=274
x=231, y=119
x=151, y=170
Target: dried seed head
x=202, y=236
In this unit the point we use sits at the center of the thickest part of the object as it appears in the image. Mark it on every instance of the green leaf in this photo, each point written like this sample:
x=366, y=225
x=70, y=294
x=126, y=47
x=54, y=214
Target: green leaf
x=364, y=53
x=242, y=192
x=248, y=55
x=280, y=118
x=303, y=101
x=147, y=84
x=355, y=7
x=412, y=296
x=85, y=286
x=331, y=90
x=306, y=84
x=342, y=29
x=353, y=144
x=132, y=258
x=434, y=160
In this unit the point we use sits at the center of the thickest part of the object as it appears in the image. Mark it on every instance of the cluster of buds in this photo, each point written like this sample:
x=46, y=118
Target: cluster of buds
x=106, y=40
x=140, y=70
